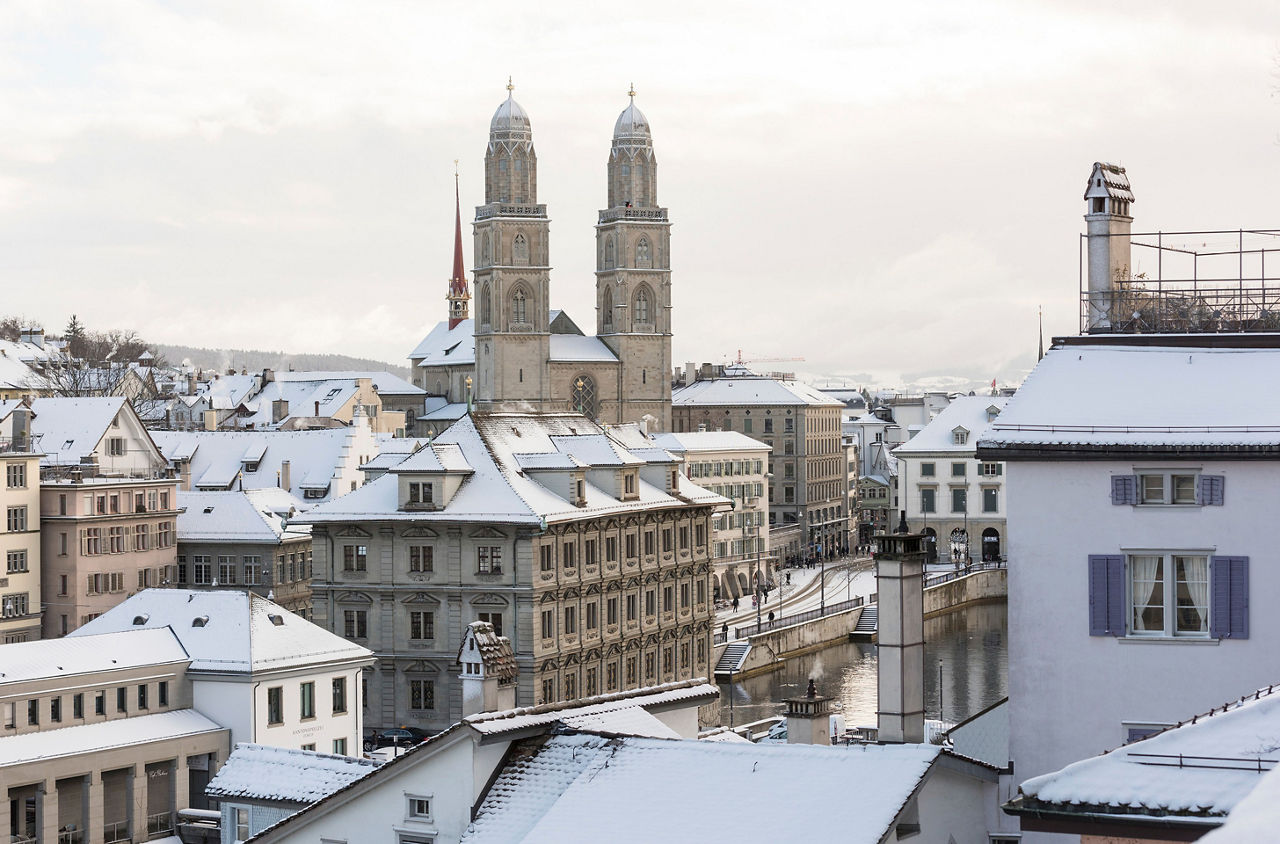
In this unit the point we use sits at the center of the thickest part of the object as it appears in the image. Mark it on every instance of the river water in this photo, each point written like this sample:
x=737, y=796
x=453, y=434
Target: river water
x=972, y=644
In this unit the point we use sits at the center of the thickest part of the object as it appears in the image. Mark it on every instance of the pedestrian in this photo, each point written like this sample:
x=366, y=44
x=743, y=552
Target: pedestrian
x=735, y=603
x=724, y=628
x=771, y=616
x=788, y=578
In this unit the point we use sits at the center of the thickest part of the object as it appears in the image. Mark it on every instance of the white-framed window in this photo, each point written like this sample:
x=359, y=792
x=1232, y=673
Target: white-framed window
x=16, y=475
x=242, y=824
x=16, y=518
x=417, y=807
x=991, y=470
x=927, y=470
x=1166, y=488
x=115, y=446
x=1169, y=594
x=958, y=470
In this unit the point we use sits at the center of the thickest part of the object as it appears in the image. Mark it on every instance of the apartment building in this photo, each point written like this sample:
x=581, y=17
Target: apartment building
x=20, y=606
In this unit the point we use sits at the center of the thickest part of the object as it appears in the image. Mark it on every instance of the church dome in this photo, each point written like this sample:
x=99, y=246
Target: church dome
x=509, y=117
x=632, y=124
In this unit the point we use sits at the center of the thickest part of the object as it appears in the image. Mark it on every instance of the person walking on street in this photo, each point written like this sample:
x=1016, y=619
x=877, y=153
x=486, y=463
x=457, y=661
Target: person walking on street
x=735, y=603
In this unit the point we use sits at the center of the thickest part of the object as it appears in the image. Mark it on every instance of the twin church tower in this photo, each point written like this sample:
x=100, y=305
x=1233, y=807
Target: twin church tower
x=516, y=351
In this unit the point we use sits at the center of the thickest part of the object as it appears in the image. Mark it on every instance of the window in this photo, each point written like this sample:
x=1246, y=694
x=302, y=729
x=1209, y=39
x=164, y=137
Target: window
x=355, y=624
x=631, y=607
x=489, y=559
x=421, y=558
x=957, y=470
x=650, y=602
x=115, y=540
x=959, y=436
x=418, y=808
x=355, y=557
x=16, y=478
x=16, y=518
x=611, y=549
x=959, y=498
x=582, y=396
x=55, y=709
x=928, y=503
x=16, y=562
x=990, y=500
x=115, y=446
x=13, y=605
x=422, y=694
x=991, y=470
x=631, y=546
x=548, y=624
x=611, y=611
x=122, y=699
x=668, y=594
x=589, y=552
x=142, y=696
x=1169, y=595
x=164, y=533
x=1167, y=488
x=33, y=712
x=307, y=700
x=227, y=571
x=567, y=555
x=77, y=706
x=666, y=540
x=648, y=543
x=518, y=301
x=494, y=618
x=593, y=615
x=422, y=625
x=684, y=596
x=339, y=696
x=162, y=692
x=310, y=747
x=100, y=703
x=141, y=538
x=629, y=483
x=570, y=620
x=642, y=306
x=548, y=690
x=252, y=570
x=611, y=676
x=421, y=493
x=768, y=426
x=275, y=705
x=546, y=558
x=340, y=747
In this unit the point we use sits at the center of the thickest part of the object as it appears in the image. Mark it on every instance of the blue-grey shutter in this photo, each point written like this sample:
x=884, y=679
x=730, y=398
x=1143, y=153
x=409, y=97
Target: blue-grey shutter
x=1106, y=595
x=1229, y=597
x=1209, y=490
x=1124, y=489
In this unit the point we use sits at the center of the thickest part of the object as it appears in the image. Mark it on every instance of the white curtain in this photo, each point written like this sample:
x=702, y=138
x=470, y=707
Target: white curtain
x=1195, y=570
x=1146, y=579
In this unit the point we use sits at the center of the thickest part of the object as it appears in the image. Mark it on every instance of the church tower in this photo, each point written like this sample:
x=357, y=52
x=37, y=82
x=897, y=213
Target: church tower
x=512, y=276
x=459, y=297
x=633, y=273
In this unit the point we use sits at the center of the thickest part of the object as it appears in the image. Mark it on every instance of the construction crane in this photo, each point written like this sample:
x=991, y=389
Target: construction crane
x=741, y=359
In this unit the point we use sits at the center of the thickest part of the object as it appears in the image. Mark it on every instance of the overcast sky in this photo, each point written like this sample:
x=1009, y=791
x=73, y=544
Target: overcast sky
x=888, y=190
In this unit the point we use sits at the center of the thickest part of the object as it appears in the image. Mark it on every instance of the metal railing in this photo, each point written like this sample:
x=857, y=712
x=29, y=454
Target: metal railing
x=1231, y=763
x=948, y=576
x=160, y=822
x=70, y=836
x=113, y=832
x=798, y=618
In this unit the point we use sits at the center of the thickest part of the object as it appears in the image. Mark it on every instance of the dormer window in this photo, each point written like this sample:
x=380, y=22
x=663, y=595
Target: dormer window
x=251, y=466
x=421, y=494
x=992, y=413
x=959, y=436
x=629, y=483
x=579, y=492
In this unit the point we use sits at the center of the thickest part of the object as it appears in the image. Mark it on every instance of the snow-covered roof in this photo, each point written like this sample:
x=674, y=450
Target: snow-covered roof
x=706, y=441
x=498, y=490
x=104, y=735
x=524, y=718
x=384, y=383
x=1255, y=818
x=588, y=787
x=1085, y=397
x=750, y=390
x=435, y=457
x=235, y=516
x=481, y=643
x=447, y=346
x=1199, y=769
x=1108, y=179
x=450, y=412
x=66, y=657
x=69, y=429
x=227, y=631
x=576, y=347
x=217, y=457
x=967, y=412
x=282, y=774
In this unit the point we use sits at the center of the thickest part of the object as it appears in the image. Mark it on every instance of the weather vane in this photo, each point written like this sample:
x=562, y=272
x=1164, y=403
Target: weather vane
x=632, y=92
x=510, y=87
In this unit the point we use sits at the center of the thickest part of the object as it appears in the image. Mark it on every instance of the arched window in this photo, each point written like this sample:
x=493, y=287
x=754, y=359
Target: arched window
x=486, y=311
x=642, y=252
x=582, y=396
x=517, y=307
x=642, y=306
x=606, y=305
x=520, y=250
x=486, y=252
x=608, y=252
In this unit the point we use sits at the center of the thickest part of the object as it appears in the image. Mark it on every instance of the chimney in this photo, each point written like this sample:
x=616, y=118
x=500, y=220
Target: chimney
x=900, y=585
x=279, y=409
x=184, y=474
x=268, y=375
x=21, y=428
x=690, y=372
x=317, y=413
x=1107, y=199
x=211, y=420
x=286, y=476
x=706, y=373
x=809, y=717
x=191, y=383
x=32, y=335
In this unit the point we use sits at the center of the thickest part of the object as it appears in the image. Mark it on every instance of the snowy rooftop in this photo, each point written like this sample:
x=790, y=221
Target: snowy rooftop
x=523, y=718
x=576, y=347
x=229, y=631
x=594, y=788
x=1201, y=769
x=750, y=390
x=968, y=412
x=1145, y=397
x=705, y=441
x=498, y=490
x=104, y=735
x=68, y=429
x=65, y=657
x=262, y=772
x=445, y=346
x=235, y=516
x=384, y=383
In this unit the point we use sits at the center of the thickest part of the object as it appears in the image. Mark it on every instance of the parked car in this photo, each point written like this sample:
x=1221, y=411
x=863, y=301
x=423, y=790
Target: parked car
x=370, y=740
x=400, y=737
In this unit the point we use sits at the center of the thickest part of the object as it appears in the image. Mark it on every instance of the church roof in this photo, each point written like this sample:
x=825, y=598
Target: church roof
x=447, y=346
x=632, y=124
x=577, y=347
x=510, y=117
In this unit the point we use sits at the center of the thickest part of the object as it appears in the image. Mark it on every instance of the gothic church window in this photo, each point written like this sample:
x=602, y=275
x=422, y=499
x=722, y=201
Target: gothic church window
x=608, y=252
x=642, y=306
x=518, y=307
x=486, y=312
x=642, y=252
x=606, y=306
x=520, y=250
x=485, y=251
x=582, y=397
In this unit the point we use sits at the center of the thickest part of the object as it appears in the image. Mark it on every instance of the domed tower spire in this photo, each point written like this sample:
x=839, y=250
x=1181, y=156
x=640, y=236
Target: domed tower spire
x=458, y=295
x=633, y=270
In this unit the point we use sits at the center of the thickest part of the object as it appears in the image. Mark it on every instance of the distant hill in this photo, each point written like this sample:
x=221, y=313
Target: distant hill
x=255, y=361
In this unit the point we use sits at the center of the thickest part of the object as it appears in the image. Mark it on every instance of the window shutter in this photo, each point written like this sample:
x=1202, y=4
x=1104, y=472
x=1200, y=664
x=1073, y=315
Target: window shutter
x=1124, y=489
x=1209, y=490
x=1106, y=595
x=1229, y=598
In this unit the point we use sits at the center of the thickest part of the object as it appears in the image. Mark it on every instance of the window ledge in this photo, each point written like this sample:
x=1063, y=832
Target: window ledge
x=1166, y=640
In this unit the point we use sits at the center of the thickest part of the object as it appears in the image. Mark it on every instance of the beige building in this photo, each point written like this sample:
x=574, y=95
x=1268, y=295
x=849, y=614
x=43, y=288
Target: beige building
x=100, y=741
x=733, y=465
x=518, y=354
x=808, y=461
x=20, y=540
x=592, y=557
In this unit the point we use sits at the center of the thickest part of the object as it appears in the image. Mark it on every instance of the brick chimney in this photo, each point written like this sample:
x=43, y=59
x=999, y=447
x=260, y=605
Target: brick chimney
x=900, y=585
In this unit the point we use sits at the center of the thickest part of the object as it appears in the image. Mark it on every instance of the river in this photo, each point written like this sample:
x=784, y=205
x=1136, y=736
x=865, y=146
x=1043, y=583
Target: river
x=973, y=645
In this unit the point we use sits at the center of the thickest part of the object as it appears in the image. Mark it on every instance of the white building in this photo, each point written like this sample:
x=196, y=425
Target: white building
x=1134, y=515
x=948, y=494
x=256, y=668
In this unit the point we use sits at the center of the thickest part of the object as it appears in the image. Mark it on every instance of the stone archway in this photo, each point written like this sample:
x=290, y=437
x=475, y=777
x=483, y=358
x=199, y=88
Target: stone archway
x=990, y=545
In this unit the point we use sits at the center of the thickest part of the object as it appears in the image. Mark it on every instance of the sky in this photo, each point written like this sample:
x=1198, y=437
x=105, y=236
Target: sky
x=888, y=191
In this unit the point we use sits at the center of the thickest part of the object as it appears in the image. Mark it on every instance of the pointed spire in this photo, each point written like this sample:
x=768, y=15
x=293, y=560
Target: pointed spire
x=632, y=92
x=1041, y=356
x=458, y=295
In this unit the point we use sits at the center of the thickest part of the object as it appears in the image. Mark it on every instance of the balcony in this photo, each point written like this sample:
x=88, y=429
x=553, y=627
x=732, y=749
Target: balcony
x=653, y=215
x=503, y=209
